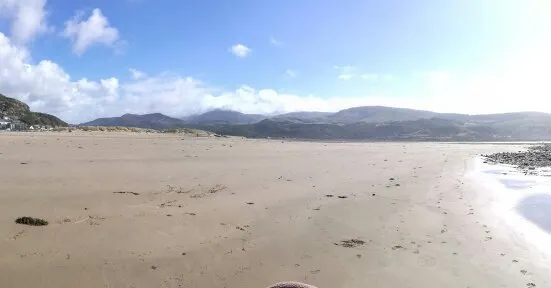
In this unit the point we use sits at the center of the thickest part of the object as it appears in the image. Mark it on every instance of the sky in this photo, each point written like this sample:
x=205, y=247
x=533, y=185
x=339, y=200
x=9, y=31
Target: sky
x=85, y=59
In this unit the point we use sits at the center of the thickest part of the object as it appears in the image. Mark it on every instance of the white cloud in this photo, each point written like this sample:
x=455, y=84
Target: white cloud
x=240, y=50
x=28, y=18
x=136, y=74
x=345, y=76
x=291, y=73
x=92, y=31
x=346, y=72
x=46, y=87
x=275, y=42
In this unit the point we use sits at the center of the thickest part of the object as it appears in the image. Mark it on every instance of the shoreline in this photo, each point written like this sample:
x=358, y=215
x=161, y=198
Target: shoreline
x=522, y=200
x=211, y=134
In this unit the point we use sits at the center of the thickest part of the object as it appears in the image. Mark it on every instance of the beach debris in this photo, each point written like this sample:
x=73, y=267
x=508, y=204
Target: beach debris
x=329, y=195
x=350, y=243
x=250, y=203
x=398, y=247
x=126, y=192
x=217, y=188
x=95, y=220
x=31, y=221
x=342, y=197
x=169, y=203
x=206, y=191
x=528, y=160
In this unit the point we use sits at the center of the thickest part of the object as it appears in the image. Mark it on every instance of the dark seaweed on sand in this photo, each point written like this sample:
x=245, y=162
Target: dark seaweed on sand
x=31, y=221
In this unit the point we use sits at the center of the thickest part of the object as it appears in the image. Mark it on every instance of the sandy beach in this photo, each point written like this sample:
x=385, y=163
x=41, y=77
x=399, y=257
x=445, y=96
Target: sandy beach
x=154, y=210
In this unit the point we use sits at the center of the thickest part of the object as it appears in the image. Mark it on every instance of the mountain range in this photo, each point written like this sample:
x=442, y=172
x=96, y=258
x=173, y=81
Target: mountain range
x=358, y=123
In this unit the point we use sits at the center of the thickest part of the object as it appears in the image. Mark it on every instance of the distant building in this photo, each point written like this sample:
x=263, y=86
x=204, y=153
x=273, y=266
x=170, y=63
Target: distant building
x=5, y=124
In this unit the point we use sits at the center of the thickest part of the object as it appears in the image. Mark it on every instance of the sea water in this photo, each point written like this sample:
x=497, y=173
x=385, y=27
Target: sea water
x=524, y=201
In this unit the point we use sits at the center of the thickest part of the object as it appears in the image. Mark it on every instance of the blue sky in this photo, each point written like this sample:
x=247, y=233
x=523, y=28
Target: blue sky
x=75, y=58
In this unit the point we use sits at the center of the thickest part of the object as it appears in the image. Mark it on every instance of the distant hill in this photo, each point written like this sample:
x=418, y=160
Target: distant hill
x=148, y=121
x=216, y=117
x=303, y=117
x=387, y=123
x=374, y=114
x=14, y=108
x=359, y=123
x=421, y=129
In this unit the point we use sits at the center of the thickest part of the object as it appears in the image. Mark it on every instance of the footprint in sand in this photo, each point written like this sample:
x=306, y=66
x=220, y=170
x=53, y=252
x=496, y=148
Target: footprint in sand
x=315, y=271
x=426, y=261
x=19, y=234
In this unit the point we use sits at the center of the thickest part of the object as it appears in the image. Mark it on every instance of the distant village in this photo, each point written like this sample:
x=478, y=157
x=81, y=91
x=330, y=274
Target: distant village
x=8, y=123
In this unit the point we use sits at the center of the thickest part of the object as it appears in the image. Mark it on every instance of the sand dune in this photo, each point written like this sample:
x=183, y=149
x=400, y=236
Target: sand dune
x=136, y=210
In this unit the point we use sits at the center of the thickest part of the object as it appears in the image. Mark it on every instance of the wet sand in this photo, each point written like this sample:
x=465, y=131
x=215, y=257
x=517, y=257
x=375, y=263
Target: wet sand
x=136, y=210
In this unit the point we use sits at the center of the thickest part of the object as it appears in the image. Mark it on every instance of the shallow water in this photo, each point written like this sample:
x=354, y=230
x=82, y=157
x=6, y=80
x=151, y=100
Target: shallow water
x=523, y=200
x=537, y=209
x=517, y=184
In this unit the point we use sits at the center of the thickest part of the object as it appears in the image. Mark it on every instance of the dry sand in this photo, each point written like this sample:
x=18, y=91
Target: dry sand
x=248, y=213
